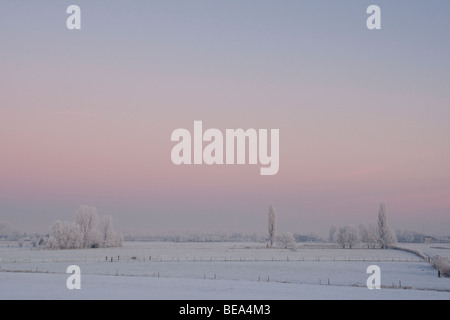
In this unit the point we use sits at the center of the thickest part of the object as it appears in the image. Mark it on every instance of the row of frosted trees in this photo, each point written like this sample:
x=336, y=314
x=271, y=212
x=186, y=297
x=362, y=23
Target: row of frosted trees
x=347, y=236
x=87, y=231
x=373, y=236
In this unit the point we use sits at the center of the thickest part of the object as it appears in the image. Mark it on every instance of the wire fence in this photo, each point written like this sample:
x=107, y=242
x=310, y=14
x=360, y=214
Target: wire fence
x=112, y=259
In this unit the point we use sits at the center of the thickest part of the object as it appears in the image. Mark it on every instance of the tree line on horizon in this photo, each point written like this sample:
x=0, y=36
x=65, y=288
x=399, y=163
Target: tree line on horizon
x=347, y=236
x=88, y=230
x=372, y=236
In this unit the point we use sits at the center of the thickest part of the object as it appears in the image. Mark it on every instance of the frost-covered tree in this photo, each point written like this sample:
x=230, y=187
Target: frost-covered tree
x=287, y=240
x=352, y=236
x=35, y=241
x=386, y=237
x=65, y=235
x=442, y=264
x=5, y=229
x=368, y=234
x=348, y=236
x=8, y=232
x=117, y=240
x=272, y=224
x=86, y=218
x=106, y=229
x=342, y=237
x=110, y=238
x=84, y=232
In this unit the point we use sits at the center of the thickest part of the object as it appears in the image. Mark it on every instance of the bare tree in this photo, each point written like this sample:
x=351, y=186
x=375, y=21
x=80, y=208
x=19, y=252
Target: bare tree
x=368, y=234
x=287, y=240
x=110, y=237
x=272, y=224
x=348, y=236
x=386, y=237
x=106, y=230
x=86, y=218
x=118, y=240
x=342, y=237
x=352, y=236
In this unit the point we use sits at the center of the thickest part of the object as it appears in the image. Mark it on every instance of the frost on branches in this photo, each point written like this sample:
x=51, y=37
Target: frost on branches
x=87, y=231
x=442, y=264
x=287, y=241
x=370, y=235
x=386, y=237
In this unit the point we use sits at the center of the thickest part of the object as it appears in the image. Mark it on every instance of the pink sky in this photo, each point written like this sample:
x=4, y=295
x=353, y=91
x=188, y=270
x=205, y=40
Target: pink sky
x=86, y=118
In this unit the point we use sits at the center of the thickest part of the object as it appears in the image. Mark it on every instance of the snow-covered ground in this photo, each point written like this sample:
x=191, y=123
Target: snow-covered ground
x=164, y=270
x=52, y=286
x=431, y=250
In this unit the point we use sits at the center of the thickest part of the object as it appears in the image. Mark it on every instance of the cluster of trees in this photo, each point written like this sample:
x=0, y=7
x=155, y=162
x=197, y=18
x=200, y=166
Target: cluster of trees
x=91, y=231
x=372, y=236
x=8, y=232
x=310, y=237
x=408, y=236
x=87, y=231
x=347, y=236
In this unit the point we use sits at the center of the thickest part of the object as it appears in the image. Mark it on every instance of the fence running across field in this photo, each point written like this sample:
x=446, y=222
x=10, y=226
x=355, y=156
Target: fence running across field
x=212, y=259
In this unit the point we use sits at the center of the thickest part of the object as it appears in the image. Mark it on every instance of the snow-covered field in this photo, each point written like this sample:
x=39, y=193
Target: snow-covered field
x=219, y=270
